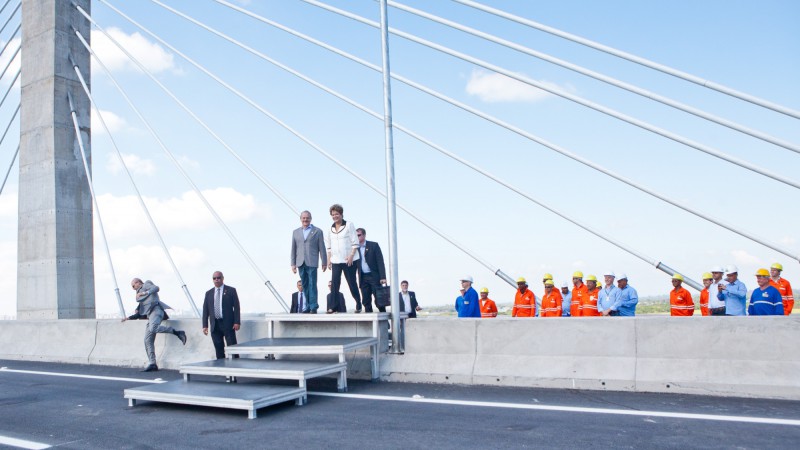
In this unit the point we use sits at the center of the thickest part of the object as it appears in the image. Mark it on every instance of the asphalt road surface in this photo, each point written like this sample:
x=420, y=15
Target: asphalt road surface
x=41, y=407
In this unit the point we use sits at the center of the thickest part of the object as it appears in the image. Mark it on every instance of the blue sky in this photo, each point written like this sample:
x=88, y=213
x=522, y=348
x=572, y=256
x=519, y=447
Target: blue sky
x=749, y=46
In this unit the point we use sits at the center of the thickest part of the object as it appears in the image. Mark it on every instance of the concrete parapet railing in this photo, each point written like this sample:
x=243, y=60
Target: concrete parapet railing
x=737, y=356
x=732, y=356
x=114, y=343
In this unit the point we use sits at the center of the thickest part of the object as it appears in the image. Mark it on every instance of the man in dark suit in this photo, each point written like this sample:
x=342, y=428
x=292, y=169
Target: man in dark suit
x=221, y=309
x=371, y=270
x=308, y=246
x=408, y=300
x=335, y=305
x=299, y=300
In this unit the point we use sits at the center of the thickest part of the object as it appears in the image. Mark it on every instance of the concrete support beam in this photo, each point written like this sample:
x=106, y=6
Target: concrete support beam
x=55, y=267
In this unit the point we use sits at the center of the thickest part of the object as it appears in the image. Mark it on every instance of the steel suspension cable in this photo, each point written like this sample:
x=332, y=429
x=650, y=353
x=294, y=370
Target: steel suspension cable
x=9, y=17
x=10, y=86
x=331, y=158
x=8, y=172
x=136, y=189
x=6, y=4
x=635, y=59
x=509, y=127
x=8, y=42
x=202, y=123
x=179, y=167
x=16, y=152
x=440, y=149
x=94, y=200
x=603, y=78
x=567, y=96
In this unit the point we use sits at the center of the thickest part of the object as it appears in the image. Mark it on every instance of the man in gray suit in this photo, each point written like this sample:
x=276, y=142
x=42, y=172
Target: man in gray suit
x=307, y=245
x=151, y=308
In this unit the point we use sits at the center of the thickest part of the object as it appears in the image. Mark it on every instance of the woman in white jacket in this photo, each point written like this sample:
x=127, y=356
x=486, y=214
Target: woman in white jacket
x=342, y=245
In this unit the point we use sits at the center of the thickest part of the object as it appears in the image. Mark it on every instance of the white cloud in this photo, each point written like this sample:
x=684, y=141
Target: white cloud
x=152, y=55
x=9, y=206
x=141, y=260
x=135, y=164
x=114, y=122
x=188, y=163
x=494, y=87
x=788, y=240
x=15, y=65
x=8, y=266
x=744, y=258
x=122, y=216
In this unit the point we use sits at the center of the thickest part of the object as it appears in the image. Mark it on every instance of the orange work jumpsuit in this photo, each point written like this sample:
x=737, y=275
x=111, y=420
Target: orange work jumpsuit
x=785, y=289
x=524, y=304
x=551, y=304
x=681, y=303
x=704, y=302
x=579, y=295
x=589, y=303
x=488, y=308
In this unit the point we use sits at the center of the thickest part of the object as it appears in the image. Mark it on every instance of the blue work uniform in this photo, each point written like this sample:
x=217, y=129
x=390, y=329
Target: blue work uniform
x=626, y=301
x=607, y=298
x=468, y=305
x=735, y=298
x=766, y=302
x=566, y=302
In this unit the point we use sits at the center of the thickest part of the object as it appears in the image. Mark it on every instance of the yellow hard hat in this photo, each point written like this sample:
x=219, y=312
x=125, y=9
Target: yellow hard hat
x=778, y=266
x=577, y=274
x=707, y=276
x=547, y=276
x=762, y=273
x=521, y=280
x=548, y=282
x=677, y=276
x=591, y=278
x=484, y=290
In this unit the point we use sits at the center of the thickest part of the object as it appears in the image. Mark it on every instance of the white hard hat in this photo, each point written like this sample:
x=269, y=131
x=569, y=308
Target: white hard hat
x=622, y=276
x=731, y=269
x=609, y=273
x=717, y=269
x=565, y=285
x=467, y=278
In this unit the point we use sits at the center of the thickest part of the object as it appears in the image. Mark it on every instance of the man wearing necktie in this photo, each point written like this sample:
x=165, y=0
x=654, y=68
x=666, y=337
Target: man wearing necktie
x=221, y=310
x=371, y=270
x=299, y=300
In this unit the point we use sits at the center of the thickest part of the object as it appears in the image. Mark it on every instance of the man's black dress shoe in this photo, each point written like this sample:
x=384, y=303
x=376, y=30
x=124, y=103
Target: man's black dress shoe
x=150, y=368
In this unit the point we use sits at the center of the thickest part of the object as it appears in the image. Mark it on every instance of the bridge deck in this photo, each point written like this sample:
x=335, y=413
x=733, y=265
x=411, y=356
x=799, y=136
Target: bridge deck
x=269, y=369
x=249, y=397
x=309, y=346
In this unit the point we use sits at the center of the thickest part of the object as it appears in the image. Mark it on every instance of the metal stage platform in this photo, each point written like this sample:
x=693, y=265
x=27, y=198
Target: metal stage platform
x=269, y=369
x=309, y=346
x=249, y=397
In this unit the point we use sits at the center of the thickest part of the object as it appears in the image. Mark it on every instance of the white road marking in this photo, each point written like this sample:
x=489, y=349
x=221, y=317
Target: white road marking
x=76, y=375
x=621, y=412
x=578, y=409
x=20, y=443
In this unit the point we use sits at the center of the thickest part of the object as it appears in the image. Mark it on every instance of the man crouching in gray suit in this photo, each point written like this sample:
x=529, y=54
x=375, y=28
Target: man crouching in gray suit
x=151, y=308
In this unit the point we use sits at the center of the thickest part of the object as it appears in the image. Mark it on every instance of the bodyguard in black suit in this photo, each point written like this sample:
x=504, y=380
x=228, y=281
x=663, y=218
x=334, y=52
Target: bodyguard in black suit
x=335, y=304
x=371, y=270
x=412, y=300
x=221, y=309
x=299, y=300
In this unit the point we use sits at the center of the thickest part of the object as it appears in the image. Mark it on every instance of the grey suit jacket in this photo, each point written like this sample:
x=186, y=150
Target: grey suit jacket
x=308, y=251
x=150, y=301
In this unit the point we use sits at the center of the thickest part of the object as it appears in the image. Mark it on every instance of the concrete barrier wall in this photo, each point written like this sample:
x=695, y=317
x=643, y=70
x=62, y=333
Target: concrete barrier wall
x=742, y=356
x=114, y=343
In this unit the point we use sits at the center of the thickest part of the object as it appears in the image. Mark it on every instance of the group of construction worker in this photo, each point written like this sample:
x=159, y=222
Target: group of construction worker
x=719, y=297
x=728, y=297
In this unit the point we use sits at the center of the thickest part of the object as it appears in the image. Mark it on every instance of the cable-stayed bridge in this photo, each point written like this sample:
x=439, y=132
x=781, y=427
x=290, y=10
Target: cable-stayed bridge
x=519, y=148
